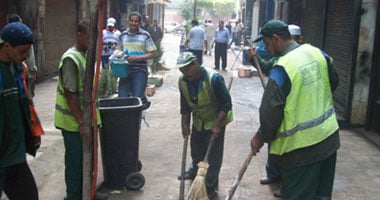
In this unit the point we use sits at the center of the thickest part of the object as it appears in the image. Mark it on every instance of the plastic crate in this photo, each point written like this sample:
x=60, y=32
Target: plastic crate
x=119, y=67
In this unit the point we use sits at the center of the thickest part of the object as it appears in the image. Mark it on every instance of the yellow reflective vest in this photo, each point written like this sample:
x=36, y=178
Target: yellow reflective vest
x=206, y=111
x=63, y=118
x=309, y=115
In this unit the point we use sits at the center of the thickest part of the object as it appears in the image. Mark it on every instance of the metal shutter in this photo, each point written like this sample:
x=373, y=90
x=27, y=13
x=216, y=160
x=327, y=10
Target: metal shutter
x=339, y=42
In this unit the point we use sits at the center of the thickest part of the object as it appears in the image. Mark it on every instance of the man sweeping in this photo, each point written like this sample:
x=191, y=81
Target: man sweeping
x=204, y=94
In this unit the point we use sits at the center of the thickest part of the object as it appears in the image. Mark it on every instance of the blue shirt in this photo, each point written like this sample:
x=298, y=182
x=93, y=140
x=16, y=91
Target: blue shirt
x=222, y=35
x=196, y=38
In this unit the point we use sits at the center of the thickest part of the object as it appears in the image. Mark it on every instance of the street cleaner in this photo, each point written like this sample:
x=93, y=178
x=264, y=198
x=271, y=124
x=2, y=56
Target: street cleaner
x=297, y=115
x=271, y=167
x=20, y=129
x=205, y=96
x=69, y=111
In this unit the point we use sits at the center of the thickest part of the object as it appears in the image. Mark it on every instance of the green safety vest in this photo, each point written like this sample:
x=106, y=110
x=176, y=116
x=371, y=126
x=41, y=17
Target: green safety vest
x=309, y=115
x=206, y=111
x=63, y=118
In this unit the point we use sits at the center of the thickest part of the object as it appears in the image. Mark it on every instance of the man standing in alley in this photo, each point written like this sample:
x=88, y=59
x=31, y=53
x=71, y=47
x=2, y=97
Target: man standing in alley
x=210, y=33
x=110, y=40
x=237, y=31
x=16, y=179
x=69, y=110
x=222, y=43
x=156, y=32
x=205, y=96
x=139, y=46
x=196, y=40
x=297, y=115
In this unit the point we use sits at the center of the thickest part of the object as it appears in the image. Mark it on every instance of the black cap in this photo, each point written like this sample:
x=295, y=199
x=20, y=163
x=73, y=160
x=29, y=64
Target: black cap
x=275, y=26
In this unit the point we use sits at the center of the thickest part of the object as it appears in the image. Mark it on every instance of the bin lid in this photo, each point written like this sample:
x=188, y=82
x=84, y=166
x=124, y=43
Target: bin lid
x=120, y=103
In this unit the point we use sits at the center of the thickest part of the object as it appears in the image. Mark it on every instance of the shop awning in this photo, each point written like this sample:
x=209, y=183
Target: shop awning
x=138, y=2
x=155, y=2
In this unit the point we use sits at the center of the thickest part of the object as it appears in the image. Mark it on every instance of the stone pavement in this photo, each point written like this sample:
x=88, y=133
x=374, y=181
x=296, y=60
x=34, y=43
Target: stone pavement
x=357, y=173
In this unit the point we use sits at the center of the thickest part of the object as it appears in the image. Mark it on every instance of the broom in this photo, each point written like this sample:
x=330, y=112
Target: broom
x=237, y=180
x=183, y=166
x=246, y=162
x=198, y=188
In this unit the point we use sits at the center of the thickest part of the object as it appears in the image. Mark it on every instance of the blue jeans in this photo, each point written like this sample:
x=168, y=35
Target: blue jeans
x=134, y=85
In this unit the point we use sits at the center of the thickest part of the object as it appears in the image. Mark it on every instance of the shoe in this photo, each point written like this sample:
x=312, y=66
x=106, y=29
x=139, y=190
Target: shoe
x=268, y=180
x=277, y=193
x=100, y=196
x=211, y=194
x=224, y=69
x=187, y=176
x=216, y=68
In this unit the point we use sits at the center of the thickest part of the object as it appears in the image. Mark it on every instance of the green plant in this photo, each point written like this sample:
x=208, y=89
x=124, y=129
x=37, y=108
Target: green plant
x=107, y=84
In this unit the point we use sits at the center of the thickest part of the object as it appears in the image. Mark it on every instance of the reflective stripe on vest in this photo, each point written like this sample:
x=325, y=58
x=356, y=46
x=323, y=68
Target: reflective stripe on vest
x=309, y=115
x=63, y=117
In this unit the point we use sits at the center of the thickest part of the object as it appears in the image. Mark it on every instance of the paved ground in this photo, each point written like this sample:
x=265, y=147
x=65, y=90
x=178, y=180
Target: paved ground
x=357, y=174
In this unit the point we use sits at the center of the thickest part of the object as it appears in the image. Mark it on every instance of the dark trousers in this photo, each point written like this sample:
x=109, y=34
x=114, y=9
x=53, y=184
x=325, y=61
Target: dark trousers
x=18, y=183
x=220, y=52
x=73, y=163
x=105, y=62
x=198, y=54
x=199, y=142
x=272, y=168
x=314, y=181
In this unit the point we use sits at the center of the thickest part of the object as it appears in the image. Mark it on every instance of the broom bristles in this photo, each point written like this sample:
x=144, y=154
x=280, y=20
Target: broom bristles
x=198, y=187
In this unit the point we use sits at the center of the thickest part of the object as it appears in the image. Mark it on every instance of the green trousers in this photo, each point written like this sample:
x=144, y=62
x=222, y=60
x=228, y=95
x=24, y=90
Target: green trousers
x=310, y=182
x=73, y=163
x=199, y=142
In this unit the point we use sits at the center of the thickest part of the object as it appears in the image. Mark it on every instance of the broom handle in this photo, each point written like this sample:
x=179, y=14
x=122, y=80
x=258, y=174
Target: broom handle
x=209, y=148
x=259, y=70
x=184, y=153
x=237, y=180
x=258, y=65
x=213, y=137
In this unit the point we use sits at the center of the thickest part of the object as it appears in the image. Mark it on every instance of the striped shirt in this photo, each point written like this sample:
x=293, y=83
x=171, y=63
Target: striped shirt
x=110, y=41
x=135, y=45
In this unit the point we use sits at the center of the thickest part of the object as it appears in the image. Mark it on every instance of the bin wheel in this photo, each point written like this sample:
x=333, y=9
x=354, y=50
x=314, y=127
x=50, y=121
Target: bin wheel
x=138, y=165
x=134, y=181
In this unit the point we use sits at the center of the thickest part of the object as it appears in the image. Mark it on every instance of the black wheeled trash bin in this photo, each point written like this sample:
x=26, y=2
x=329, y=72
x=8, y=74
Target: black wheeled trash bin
x=119, y=140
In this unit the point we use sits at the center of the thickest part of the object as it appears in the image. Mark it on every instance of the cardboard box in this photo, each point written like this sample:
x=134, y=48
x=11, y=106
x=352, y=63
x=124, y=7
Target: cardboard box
x=150, y=90
x=244, y=72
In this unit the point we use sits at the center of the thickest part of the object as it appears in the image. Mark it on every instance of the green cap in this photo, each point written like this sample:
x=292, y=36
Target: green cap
x=185, y=58
x=275, y=26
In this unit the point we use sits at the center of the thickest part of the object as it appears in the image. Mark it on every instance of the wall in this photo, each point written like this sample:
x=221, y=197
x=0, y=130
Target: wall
x=363, y=65
x=172, y=15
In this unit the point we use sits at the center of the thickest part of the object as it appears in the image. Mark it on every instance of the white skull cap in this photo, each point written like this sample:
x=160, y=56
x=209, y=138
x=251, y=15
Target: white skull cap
x=111, y=21
x=294, y=29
